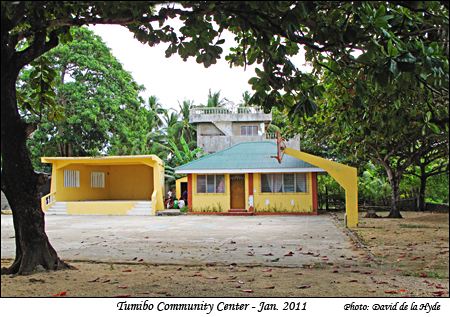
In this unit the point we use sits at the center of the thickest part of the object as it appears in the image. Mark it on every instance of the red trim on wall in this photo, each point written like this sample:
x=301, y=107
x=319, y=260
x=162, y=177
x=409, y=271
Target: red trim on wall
x=250, y=190
x=314, y=191
x=189, y=202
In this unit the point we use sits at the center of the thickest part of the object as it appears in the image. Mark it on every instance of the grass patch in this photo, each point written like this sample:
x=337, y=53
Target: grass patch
x=429, y=274
x=413, y=226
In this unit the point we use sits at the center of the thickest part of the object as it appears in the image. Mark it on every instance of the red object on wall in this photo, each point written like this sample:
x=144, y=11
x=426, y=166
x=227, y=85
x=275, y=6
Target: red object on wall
x=314, y=191
x=189, y=202
x=250, y=190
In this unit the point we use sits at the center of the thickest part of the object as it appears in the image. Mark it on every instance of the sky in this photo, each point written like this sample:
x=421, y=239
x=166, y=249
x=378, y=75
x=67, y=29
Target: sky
x=171, y=79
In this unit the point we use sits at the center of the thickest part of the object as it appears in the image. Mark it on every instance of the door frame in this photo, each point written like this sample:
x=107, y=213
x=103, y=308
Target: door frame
x=243, y=190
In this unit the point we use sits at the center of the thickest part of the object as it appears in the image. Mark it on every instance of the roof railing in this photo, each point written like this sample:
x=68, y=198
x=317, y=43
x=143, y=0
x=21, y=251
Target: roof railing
x=222, y=110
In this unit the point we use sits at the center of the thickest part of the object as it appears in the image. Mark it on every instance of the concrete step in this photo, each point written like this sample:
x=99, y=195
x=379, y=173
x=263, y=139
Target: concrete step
x=169, y=212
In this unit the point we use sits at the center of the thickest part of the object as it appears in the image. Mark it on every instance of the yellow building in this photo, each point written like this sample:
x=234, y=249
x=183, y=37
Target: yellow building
x=245, y=178
x=113, y=185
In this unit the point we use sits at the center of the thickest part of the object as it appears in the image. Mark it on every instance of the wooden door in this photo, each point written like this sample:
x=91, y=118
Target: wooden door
x=237, y=193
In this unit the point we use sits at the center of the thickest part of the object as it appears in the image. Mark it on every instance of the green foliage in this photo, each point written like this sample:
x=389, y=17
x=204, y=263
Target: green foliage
x=373, y=186
x=97, y=100
x=437, y=190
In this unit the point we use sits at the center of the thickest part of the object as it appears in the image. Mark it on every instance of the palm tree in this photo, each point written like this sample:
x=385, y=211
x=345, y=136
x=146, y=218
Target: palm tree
x=215, y=101
x=187, y=129
x=246, y=97
x=156, y=110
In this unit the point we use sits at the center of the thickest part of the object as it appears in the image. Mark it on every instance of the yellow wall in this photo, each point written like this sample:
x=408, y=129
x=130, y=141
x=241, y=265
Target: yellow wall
x=210, y=202
x=131, y=182
x=136, y=177
x=122, y=182
x=178, y=186
x=84, y=192
x=345, y=175
x=282, y=202
x=100, y=208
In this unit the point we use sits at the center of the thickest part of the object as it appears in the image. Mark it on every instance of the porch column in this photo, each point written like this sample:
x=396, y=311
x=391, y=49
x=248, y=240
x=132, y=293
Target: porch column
x=189, y=202
x=251, y=203
x=314, y=191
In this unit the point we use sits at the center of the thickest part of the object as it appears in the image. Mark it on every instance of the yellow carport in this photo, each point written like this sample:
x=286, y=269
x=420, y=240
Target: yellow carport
x=110, y=182
x=345, y=175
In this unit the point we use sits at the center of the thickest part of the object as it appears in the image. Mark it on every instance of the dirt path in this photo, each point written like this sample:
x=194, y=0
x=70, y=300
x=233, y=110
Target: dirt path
x=410, y=259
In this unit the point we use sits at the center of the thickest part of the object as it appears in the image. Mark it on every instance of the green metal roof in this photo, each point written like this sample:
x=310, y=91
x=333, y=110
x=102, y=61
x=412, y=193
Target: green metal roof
x=245, y=156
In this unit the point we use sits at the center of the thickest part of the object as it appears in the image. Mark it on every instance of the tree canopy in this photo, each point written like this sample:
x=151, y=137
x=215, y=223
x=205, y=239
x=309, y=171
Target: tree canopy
x=366, y=45
x=99, y=103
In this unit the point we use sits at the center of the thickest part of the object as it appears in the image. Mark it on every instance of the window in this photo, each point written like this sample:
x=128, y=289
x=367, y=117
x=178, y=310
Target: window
x=71, y=178
x=283, y=183
x=98, y=180
x=210, y=183
x=300, y=181
x=249, y=130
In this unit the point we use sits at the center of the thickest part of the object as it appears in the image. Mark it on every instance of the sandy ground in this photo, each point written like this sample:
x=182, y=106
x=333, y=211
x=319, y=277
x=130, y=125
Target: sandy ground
x=398, y=257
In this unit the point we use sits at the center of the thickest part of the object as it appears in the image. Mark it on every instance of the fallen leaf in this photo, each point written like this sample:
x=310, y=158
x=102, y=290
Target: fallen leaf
x=267, y=270
x=106, y=281
x=391, y=292
x=240, y=282
x=440, y=286
x=95, y=280
x=63, y=293
x=438, y=293
x=140, y=260
x=250, y=254
x=275, y=260
x=303, y=286
x=402, y=291
x=127, y=270
x=415, y=258
x=290, y=253
x=122, y=286
x=211, y=277
x=269, y=287
x=353, y=281
x=268, y=254
x=423, y=274
x=247, y=290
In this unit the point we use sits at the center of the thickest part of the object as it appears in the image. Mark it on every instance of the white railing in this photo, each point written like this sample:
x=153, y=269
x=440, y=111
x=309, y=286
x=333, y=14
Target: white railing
x=47, y=201
x=271, y=135
x=221, y=110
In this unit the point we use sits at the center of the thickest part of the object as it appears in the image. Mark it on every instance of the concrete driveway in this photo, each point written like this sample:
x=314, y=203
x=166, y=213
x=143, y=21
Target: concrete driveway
x=291, y=241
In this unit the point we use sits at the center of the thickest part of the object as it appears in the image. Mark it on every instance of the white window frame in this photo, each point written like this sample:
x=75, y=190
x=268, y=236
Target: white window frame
x=282, y=184
x=97, y=179
x=206, y=183
x=248, y=130
x=71, y=178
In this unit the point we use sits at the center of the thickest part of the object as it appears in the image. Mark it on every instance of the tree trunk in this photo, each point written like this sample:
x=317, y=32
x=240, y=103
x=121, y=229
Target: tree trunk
x=423, y=186
x=394, y=180
x=19, y=183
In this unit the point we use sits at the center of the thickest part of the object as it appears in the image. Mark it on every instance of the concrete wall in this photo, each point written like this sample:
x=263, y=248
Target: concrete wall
x=208, y=129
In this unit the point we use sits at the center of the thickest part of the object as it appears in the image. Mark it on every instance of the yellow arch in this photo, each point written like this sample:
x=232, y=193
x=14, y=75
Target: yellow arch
x=345, y=175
